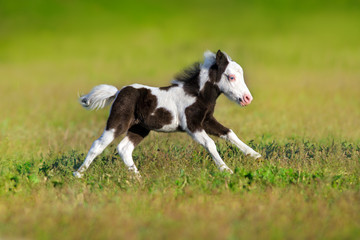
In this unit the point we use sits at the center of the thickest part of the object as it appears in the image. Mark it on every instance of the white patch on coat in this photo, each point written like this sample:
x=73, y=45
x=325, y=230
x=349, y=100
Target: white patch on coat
x=209, y=60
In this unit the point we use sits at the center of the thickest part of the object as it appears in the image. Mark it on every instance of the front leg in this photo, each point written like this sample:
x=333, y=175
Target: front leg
x=213, y=127
x=231, y=136
x=204, y=139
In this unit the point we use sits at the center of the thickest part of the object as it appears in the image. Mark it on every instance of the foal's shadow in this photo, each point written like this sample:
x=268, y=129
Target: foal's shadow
x=61, y=165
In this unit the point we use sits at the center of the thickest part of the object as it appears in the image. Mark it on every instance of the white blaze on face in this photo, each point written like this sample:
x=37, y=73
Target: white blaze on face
x=232, y=84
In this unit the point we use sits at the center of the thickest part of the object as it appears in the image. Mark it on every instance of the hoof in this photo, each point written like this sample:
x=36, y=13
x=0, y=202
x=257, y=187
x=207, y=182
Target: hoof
x=138, y=176
x=254, y=155
x=225, y=168
x=135, y=176
x=134, y=173
x=77, y=174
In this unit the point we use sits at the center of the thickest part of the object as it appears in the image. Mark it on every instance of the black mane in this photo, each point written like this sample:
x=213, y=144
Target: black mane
x=191, y=78
x=190, y=74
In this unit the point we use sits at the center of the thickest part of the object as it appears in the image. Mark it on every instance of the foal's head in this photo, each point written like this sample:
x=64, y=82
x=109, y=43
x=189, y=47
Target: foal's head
x=231, y=81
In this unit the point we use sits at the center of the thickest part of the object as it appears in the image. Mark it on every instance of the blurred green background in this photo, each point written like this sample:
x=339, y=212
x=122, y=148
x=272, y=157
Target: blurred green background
x=301, y=61
x=302, y=65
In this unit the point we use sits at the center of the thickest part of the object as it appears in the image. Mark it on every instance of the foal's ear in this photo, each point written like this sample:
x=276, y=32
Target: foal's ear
x=221, y=59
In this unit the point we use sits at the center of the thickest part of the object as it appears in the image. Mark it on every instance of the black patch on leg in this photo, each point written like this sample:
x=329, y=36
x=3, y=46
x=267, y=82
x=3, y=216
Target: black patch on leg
x=213, y=127
x=137, y=133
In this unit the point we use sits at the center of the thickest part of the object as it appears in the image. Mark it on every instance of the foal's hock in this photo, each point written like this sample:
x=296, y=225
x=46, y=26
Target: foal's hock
x=187, y=105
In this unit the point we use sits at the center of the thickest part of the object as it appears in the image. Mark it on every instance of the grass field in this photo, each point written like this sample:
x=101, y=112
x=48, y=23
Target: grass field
x=302, y=65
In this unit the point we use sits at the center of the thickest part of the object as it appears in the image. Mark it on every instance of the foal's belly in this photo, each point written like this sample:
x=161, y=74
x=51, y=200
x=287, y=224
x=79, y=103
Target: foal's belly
x=168, y=128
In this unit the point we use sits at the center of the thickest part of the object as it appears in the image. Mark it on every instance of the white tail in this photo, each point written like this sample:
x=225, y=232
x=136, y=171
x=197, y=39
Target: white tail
x=99, y=97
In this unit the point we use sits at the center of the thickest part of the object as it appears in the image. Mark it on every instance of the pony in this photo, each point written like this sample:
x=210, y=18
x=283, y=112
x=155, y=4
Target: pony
x=187, y=105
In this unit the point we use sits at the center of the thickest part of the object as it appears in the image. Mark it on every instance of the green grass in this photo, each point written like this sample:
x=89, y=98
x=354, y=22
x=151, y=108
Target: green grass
x=302, y=65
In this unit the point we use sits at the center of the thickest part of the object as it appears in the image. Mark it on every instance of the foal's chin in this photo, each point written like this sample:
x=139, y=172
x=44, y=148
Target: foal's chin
x=242, y=104
x=235, y=100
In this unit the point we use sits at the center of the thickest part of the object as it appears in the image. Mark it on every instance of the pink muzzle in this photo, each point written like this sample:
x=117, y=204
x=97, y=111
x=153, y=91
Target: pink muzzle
x=245, y=100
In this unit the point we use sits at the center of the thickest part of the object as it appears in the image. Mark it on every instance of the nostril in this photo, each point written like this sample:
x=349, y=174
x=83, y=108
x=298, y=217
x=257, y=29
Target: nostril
x=247, y=98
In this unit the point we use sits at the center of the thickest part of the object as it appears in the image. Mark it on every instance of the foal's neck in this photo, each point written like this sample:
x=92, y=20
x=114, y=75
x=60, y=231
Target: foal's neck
x=209, y=93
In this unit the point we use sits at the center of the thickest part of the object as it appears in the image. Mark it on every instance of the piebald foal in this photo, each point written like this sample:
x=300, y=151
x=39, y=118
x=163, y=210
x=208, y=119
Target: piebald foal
x=187, y=106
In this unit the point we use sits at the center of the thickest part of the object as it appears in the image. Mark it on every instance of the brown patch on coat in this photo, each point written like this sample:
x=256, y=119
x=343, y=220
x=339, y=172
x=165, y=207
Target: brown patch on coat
x=122, y=111
x=202, y=108
x=158, y=119
x=147, y=114
x=136, y=107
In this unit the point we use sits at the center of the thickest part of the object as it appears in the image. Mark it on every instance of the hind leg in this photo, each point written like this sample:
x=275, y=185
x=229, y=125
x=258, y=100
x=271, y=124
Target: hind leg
x=134, y=136
x=100, y=144
x=120, y=119
x=97, y=147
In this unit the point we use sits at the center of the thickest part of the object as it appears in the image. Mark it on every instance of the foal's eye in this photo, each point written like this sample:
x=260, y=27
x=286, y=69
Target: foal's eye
x=231, y=77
